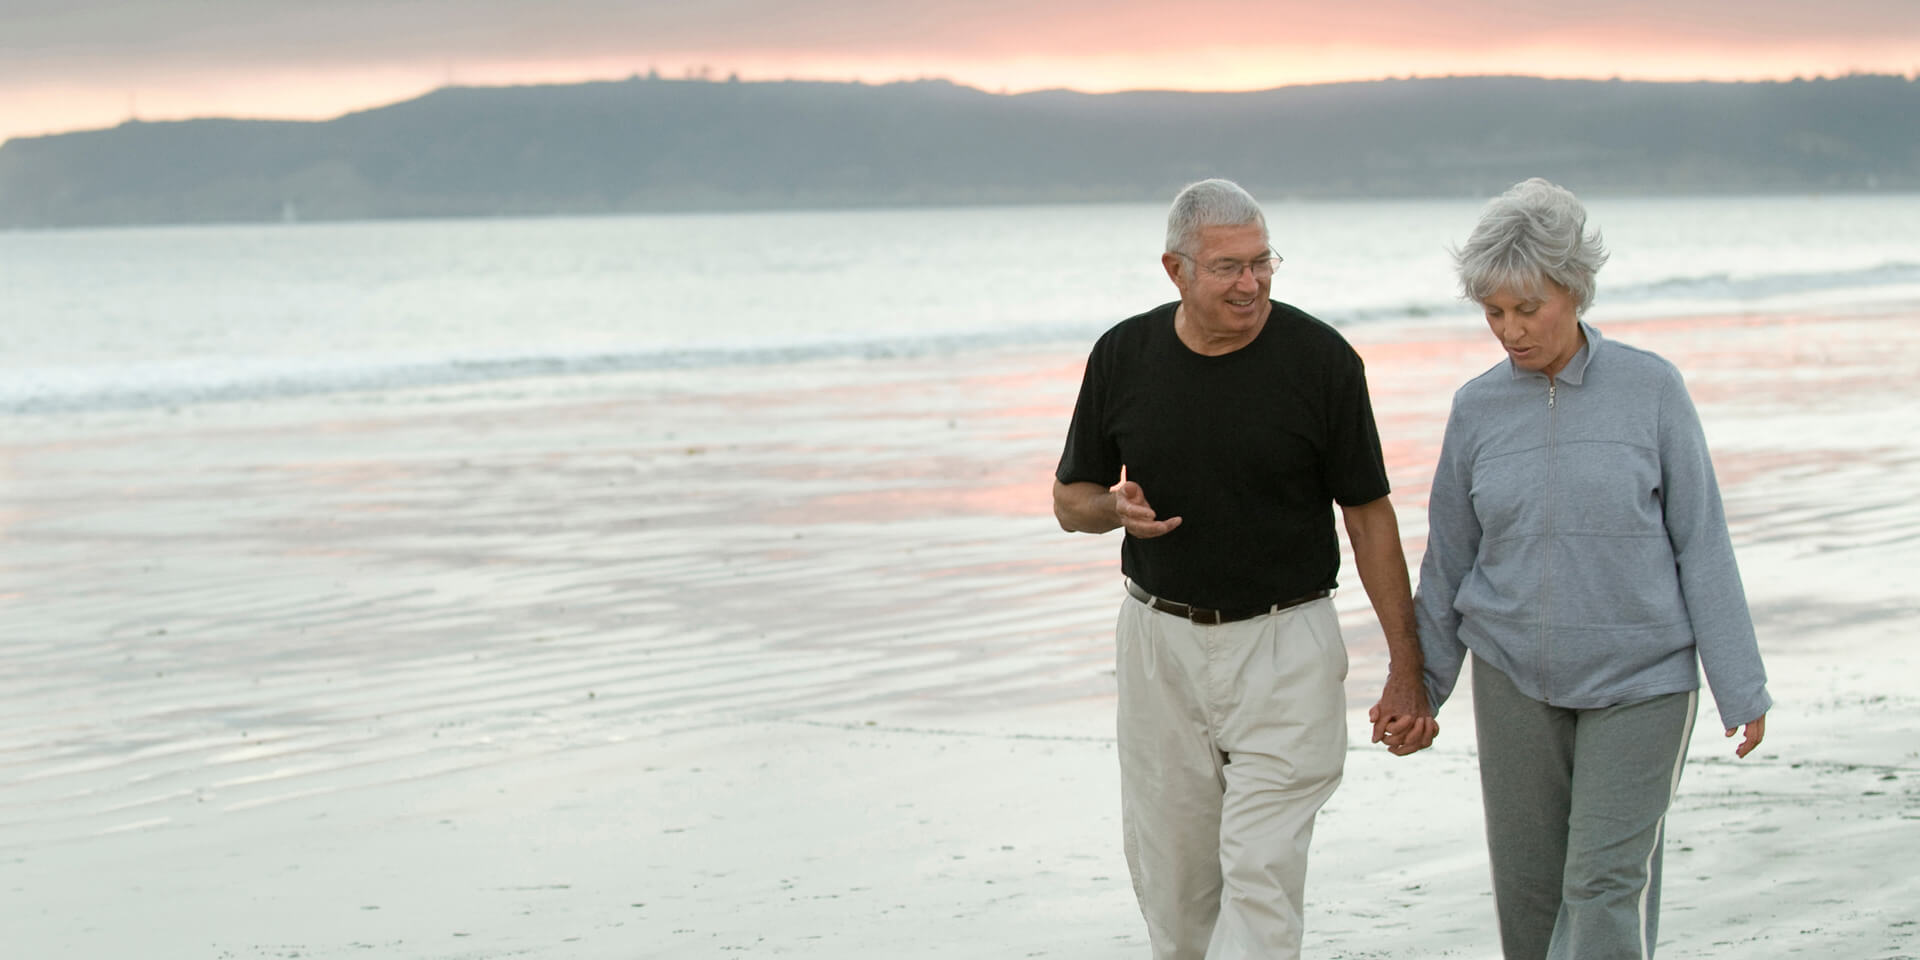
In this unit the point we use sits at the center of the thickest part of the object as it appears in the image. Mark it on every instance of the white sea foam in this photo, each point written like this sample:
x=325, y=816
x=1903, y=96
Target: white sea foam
x=105, y=319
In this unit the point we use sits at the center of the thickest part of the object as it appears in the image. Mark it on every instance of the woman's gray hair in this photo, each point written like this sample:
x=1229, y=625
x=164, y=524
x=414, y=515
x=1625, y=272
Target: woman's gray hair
x=1536, y=231
x=1209, y=203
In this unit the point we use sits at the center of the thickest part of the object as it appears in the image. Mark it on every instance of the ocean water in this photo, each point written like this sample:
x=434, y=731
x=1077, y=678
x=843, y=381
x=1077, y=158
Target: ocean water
x=172, y=316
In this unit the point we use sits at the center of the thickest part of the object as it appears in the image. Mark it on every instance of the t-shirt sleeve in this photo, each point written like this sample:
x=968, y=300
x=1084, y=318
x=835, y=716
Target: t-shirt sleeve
x=1356, y=473
x=1091, y=455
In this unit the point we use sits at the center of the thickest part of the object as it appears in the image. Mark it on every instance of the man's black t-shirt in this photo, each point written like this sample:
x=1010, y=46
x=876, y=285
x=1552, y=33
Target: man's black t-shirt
x=1249, y=448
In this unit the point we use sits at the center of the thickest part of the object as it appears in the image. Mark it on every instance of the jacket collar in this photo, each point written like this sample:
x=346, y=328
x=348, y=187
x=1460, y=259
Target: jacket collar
x=1576, y=368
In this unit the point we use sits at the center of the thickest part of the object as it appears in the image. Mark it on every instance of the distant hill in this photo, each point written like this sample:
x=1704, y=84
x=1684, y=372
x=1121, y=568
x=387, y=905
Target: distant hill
x=653, y=144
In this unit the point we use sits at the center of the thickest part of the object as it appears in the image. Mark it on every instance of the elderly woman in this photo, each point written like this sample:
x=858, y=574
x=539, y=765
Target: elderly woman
x=1578, y=550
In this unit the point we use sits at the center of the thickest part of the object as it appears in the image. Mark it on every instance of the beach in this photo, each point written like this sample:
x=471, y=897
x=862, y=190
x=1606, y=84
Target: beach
x=792, y=660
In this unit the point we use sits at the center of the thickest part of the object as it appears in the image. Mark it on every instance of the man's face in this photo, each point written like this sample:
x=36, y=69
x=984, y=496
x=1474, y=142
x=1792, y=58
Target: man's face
x=1221, y=301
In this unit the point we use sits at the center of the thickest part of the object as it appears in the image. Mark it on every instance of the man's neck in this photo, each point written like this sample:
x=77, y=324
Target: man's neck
x=1213, y=344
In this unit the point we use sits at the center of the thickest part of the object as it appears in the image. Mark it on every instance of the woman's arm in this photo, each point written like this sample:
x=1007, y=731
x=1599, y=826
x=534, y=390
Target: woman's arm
x=1703, y=559
x=1453, y=540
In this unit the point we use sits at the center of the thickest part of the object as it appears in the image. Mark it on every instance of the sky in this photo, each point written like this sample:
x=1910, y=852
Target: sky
x=79, y=64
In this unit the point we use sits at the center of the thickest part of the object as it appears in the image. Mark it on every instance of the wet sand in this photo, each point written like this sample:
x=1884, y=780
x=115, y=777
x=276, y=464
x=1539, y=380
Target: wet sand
x=793, y=661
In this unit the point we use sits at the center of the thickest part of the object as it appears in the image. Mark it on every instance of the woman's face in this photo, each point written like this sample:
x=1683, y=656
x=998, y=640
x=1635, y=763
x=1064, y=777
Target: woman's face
x=1539, y=334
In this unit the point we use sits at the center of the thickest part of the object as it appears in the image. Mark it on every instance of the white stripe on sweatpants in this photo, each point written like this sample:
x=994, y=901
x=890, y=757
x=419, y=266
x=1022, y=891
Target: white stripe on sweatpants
x=1660, y=835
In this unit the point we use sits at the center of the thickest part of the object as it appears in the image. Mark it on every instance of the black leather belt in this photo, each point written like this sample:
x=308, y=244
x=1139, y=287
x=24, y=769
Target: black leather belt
x=1204, y=615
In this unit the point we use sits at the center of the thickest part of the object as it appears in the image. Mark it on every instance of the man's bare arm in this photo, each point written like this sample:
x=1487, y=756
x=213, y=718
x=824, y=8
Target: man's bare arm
x=1402, y=718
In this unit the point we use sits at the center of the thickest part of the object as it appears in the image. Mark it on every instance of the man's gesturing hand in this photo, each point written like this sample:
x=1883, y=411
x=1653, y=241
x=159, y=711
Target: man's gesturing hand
x=1135, y=514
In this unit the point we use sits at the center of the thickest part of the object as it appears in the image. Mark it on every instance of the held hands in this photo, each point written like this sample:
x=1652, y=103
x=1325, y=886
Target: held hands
x=1756, y=731
x=1402, y=720
x=1130, y=504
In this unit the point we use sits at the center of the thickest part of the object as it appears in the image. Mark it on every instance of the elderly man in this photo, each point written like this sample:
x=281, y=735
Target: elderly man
x=1217, y=430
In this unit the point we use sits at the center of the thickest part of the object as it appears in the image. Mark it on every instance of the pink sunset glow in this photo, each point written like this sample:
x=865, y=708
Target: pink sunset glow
x=65, y=71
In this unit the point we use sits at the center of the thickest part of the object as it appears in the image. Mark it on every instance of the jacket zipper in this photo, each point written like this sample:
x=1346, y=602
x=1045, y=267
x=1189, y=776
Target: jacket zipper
x=1546, y=560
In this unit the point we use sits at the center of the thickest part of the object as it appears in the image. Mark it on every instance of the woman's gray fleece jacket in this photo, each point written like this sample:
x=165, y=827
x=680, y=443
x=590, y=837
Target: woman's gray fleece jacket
x=1577, y=542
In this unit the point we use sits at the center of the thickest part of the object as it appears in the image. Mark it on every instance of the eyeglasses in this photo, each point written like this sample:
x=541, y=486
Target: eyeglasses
x=1228, y=271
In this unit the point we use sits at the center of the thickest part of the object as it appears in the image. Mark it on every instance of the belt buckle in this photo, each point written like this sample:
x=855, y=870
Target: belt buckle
x=1203, y=615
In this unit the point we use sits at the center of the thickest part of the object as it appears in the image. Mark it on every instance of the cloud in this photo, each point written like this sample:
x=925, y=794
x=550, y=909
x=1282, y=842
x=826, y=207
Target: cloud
x=44, y=35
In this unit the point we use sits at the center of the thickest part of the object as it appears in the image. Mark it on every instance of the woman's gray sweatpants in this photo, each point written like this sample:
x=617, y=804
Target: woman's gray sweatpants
x=1576, y=804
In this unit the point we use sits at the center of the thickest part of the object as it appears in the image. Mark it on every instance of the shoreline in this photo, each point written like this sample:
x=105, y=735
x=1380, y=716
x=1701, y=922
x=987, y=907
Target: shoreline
x=566, y=375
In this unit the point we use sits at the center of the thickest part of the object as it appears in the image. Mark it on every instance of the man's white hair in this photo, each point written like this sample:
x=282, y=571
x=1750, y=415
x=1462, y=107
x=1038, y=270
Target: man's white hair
x=1209, y=203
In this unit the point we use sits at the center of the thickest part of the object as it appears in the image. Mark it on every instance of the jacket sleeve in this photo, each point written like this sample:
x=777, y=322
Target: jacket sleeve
x=1703, y=559
x=1453, y=540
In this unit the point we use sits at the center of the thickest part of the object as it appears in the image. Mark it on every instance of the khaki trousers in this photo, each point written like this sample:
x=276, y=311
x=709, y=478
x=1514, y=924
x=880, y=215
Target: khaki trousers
x=1231, y=737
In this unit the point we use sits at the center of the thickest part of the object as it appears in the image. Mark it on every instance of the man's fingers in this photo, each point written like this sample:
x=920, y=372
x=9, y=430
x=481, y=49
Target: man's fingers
x=1136, y=514
x=1393, y=728
x=1408, y=735
x=1147, y=528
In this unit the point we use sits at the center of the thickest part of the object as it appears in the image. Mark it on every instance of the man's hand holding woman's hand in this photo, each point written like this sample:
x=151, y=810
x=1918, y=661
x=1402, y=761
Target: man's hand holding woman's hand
x=1402, y=719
